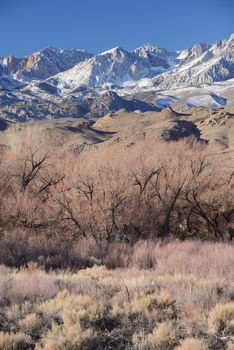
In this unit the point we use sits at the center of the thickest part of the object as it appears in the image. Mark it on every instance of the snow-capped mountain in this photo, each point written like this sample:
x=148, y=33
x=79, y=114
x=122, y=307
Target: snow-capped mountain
x=118, y=68
x=157, y=56
x=202, y=64
x=53, y=78
x=115, y=69
x=42, y=64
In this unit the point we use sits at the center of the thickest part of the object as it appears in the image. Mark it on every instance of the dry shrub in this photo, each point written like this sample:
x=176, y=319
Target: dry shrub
x=5, y=284
x=70, y=338
x=19, y=248
x=52, y=345
x=123, y=308
x=139, y=340
x=163, y=336
x=14, y=313
x=23, y=138
x=118, y=255
x=144, y=255
x=11, y=341
x=33, y=325
x=84, y=308
x=221, y=318
x=192, y=344
x=158, y=306
x=32, y=285
x=78, y=315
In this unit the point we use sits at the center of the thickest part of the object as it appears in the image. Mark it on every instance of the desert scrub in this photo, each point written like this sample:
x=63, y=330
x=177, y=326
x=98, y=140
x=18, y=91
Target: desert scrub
x=158, y=305
x=76, y=318
x=97, y=273
x=73, y=308
x=13, y=314
x=164, y=336
x=69, y=338
x=139, y=312
x=123, y=309
x=50, y=345
x=192, y=344
x=221, y=318
x=11, y=341
x=143, y=319
x=34, y=325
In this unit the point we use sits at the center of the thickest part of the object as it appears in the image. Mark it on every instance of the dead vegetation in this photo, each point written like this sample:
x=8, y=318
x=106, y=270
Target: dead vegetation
x=151, y=222
x=149, y=190
x=185, y=301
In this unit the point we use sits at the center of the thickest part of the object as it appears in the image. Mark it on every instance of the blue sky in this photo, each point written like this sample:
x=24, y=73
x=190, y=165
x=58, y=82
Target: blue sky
x=97, y=25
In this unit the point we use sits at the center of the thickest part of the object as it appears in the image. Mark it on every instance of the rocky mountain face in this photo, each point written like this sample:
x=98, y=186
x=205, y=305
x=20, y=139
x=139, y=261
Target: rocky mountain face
x=111, y=102
x=22, y=107
x=42, y=64
x=108, y=70
x=202, y=64
x=190, y=54
x=55, y=83
x=114, y=69
x=158, y=57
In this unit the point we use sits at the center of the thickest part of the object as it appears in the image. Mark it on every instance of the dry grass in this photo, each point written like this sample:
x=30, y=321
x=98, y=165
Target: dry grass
x=164, y=335
x=222, y=318
x=183, y=302
x=193, y=343
x=14, y=341
x=101, y=250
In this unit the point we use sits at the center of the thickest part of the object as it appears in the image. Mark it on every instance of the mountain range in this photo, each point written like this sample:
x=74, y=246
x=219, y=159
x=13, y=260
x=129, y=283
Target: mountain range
x=55, y=83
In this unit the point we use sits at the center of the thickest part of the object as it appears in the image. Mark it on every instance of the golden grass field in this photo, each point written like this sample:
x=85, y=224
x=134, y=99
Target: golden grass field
x=184, y=301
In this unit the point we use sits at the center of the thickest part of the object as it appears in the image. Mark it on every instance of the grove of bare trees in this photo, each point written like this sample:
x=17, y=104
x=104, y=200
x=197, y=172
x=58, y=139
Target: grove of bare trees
x=149, y=190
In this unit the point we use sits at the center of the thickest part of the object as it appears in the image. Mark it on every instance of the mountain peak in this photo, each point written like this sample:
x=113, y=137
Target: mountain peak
x=149, y=47
x=114, y=50
x=60, y=50
x=151, y=52
x=194, y=52
x=45, y=63
x=148, y=71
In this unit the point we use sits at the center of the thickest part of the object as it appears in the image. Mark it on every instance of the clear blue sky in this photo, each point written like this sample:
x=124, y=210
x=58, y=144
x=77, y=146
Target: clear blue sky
x=97, y=25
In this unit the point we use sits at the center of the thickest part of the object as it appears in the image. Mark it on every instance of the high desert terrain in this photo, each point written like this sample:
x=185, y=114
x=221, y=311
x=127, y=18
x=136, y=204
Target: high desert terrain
x=116, y=178
x=116, y=233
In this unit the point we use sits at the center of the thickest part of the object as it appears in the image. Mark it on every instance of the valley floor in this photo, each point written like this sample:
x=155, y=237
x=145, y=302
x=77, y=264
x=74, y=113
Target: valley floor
x=177, y=295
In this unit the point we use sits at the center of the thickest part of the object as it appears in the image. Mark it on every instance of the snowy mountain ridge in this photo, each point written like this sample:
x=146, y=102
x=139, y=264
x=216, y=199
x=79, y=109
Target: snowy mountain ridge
x=202, y=64
x=203, y=74
x=41, y=64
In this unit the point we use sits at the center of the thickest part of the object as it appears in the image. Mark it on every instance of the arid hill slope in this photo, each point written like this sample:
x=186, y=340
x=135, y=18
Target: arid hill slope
x=214, y=127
